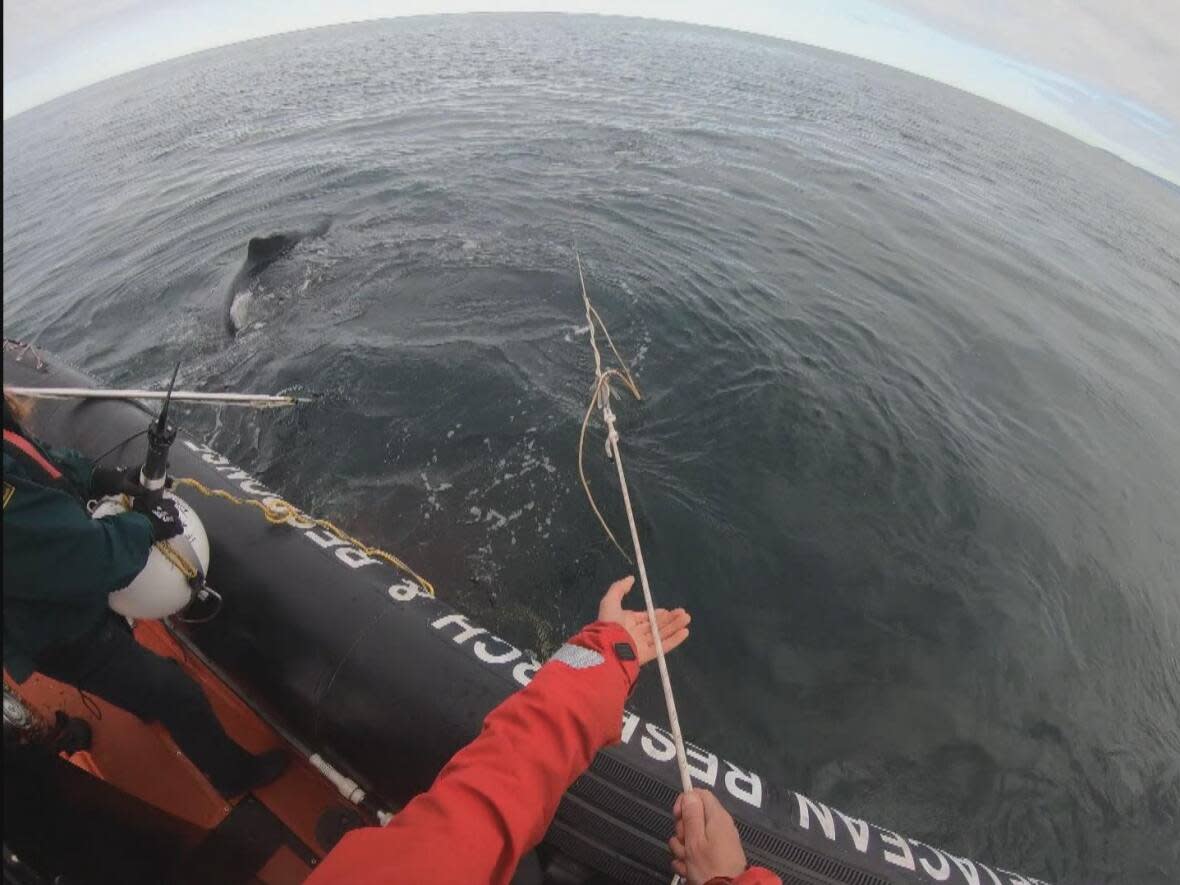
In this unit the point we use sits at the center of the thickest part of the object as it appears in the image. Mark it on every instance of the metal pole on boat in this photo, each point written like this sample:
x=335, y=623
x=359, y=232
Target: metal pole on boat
x=253, y=400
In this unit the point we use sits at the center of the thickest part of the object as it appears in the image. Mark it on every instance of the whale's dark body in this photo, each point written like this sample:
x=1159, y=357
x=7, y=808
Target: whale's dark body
x=261, y=253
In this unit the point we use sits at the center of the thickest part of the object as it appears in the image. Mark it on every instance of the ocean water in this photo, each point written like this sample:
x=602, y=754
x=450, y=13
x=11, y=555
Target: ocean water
x=910, y=442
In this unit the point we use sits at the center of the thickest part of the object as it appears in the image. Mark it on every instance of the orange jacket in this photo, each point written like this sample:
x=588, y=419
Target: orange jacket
x=496, y=797
x=752, y=876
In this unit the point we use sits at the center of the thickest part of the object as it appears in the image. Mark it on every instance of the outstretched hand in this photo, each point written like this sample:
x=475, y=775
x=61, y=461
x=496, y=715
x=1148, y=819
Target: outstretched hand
x=673, y=625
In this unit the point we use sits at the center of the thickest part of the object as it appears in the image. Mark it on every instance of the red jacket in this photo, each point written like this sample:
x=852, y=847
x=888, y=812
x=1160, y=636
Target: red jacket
x=752, y=876
x=496, y=797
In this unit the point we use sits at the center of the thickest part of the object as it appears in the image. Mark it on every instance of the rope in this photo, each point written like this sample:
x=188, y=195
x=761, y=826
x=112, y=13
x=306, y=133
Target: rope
x=181, y=564
x=596, y=395
x=278, y=512
x=601, y=398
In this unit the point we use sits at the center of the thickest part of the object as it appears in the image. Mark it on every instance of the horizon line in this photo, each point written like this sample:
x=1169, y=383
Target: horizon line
x=1167, y=175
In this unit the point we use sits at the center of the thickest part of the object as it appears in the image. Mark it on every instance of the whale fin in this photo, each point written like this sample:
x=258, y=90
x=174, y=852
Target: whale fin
x=261, y=253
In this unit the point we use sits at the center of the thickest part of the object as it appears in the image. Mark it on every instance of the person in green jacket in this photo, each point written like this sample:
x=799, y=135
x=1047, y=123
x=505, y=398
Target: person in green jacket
x=60, y=566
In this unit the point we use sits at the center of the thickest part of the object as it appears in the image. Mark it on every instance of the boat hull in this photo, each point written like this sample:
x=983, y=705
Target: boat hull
x=356, y=660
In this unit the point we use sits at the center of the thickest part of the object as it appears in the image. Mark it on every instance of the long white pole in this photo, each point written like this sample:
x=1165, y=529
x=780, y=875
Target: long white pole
x=259, y=400
x=665, y=679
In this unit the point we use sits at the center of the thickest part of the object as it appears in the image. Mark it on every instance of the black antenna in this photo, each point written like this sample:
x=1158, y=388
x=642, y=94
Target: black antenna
x=154, y=473
x=162, y=423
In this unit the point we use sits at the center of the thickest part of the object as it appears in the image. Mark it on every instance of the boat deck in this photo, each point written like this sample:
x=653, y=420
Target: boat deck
x=269, y=837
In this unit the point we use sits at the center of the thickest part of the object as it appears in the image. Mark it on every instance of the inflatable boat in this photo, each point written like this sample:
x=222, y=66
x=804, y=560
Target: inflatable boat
x=373, y=683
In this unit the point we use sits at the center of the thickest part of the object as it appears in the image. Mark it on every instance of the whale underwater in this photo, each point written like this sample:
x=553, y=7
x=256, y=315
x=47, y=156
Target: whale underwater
x=261, y=253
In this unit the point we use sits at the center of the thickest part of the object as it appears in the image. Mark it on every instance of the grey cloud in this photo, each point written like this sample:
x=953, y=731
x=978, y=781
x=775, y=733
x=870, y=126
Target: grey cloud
x=33, y=28
x=1131, y=47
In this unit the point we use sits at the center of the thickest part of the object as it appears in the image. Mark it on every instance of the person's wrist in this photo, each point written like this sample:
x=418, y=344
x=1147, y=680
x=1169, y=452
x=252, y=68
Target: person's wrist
x=614, y=639
x=613, y=632
x=626, y=635
x=625, y=643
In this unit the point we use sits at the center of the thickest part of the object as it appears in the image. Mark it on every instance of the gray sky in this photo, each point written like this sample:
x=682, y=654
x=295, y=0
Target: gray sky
x=1101, y=70
x=1130, y=46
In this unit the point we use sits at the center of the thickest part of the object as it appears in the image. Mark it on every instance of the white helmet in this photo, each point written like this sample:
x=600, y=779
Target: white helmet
x=161, y=588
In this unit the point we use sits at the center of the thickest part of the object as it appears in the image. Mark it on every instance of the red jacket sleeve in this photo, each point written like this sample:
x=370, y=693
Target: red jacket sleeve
x=752, y=876
x=496, y=797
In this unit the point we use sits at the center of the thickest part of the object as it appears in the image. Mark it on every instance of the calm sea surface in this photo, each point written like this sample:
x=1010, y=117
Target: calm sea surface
x=910, y=447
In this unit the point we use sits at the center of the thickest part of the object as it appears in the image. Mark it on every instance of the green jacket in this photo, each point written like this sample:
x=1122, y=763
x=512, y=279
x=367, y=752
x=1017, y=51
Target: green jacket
x=59, y=564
